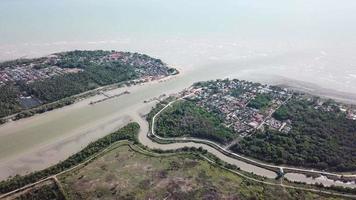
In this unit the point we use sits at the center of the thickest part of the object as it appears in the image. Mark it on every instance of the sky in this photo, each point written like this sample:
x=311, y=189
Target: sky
x=308, y=40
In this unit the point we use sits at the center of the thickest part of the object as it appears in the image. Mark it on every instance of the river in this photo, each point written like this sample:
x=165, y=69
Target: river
x=275, y=41
x=43, y=140
x=303, y=40
x=36, y=142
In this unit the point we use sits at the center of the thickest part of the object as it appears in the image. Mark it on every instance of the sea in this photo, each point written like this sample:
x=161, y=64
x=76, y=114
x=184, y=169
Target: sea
x=311, y=41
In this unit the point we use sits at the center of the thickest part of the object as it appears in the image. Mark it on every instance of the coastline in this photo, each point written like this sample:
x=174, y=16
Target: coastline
x=313, y=89
x=41, y=153
x=59, y=146
x=248, y=164
x=54, y=151
x=97, y=92
x=143, y=134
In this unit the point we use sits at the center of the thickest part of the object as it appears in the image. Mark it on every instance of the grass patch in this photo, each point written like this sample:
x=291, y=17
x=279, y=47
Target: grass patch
x=129, y=132
x=260, y=101
x=125, y=173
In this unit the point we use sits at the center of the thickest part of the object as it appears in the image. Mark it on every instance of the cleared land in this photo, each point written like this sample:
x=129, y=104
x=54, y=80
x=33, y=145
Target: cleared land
x=126, y=173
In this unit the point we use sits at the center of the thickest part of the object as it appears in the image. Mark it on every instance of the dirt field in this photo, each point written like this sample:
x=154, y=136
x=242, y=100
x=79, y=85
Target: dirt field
x=127, y=174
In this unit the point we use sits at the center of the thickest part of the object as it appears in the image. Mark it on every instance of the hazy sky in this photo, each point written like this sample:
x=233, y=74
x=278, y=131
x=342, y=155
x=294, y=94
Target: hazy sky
x=312, y=40
x=52, y=20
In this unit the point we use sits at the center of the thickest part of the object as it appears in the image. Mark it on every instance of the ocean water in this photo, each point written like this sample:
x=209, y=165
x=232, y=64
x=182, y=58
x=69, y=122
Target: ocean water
x=312, y=41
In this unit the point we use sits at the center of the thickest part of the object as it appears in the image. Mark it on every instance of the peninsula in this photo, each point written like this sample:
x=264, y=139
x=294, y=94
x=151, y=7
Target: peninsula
x=250, y=133
x=265, y=122
x=31, y=86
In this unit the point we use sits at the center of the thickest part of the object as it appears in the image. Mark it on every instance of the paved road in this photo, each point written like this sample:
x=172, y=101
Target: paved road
x=220, y=148
x=196, y=143
x=54, y=177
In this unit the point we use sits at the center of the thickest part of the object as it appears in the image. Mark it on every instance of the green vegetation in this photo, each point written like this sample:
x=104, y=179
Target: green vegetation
x=93, y=76
x=90, y=70
x=44, y=108
x=49, y=191
x=319, y=139
x=8, y=100
x=129, y=132
x=130, y=173
x=260, y=101
x=21, y=61
x=184, y=118
x=282, y=113
x=236, y=92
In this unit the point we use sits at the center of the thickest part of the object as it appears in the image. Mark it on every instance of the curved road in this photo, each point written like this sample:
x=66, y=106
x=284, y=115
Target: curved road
x=54, y=177
x=217, y=151
x=145, y=140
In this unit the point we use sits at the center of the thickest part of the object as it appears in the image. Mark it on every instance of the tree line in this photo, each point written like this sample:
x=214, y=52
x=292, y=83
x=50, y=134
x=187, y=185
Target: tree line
x=94, y=74
x=129, y=132
x=318, y=139
x=187, y=119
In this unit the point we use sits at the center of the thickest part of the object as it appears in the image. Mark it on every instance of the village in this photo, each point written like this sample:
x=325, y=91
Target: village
x=246, y=107
x=32, y=83
x=234, y=100
x=332, y=106
x=49, y=66
x=29, y=73
x=144, y=65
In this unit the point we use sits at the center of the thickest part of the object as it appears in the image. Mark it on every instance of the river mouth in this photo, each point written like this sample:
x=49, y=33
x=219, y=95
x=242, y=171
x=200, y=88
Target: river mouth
x=43, y=140
x=298, y=44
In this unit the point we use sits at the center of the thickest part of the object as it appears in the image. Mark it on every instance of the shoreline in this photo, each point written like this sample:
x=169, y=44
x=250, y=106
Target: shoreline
x=316, y=90
x=60, y=147
x=326, y=176
x=77, y=98
x=52, y=152
x=102, y=125
x=137, y=116
x=150, y=152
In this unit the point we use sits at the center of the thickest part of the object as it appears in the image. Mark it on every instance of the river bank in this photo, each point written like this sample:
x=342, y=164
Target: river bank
x=246, y=164
x=29, y=144
x=40, y=141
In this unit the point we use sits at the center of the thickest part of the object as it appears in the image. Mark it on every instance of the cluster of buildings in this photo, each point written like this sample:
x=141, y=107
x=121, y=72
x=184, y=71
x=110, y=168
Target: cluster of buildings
x=46, y=67
x=231, y=98
x=351, y=114
x=350, y=111
x=332, y=106
x=275, y=124
x=30, y=72
x=144, y=65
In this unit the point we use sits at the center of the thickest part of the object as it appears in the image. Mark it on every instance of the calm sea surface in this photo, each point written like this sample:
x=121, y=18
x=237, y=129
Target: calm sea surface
x=311, y=41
